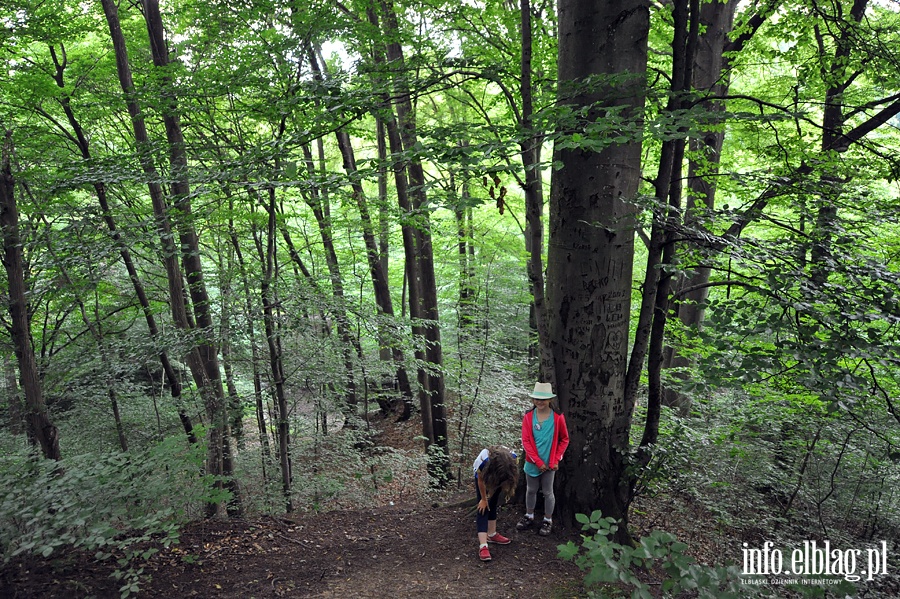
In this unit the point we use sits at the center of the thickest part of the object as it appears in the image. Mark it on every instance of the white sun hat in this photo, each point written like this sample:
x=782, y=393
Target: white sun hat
x=542, y=391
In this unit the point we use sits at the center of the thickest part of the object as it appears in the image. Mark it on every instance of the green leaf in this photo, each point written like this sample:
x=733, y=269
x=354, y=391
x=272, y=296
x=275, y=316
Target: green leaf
x=567, y=551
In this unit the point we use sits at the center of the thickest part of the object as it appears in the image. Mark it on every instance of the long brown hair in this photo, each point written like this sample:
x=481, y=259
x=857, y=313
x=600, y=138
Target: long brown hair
x=501, y=471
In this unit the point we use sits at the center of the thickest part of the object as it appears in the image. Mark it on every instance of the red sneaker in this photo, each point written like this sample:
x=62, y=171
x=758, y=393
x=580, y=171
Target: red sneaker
x=484, y=554
x=498, y=539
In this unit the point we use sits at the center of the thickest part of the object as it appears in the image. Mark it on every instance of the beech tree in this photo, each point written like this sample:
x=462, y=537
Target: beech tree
x=709, y=76
x=591, y=247
x=203, y=357
x=409, y=177
x=585, y=231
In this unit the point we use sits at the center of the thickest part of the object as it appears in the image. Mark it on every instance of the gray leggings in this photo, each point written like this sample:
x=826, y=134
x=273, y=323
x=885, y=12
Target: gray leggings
x=546, y=483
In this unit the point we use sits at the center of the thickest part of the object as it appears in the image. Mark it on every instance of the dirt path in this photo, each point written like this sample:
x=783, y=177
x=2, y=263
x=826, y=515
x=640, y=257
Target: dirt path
x=392, y=552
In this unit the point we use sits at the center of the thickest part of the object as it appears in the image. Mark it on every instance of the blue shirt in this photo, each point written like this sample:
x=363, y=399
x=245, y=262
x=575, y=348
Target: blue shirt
x=543, y=439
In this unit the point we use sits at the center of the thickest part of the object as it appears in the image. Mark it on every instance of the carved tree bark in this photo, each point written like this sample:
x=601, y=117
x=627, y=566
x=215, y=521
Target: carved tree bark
x=591, y=252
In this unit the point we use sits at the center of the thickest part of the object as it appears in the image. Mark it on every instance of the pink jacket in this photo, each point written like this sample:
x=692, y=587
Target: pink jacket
x=557, y=449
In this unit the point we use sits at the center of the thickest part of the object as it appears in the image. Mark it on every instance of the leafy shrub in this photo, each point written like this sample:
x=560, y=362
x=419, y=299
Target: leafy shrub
x=673, y=457
x=108, y=503
x=609, y=564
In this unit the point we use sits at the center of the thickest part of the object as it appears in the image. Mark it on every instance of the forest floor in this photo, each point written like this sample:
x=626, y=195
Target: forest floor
x=386, y=552
x=392, y=552
x=421, y=546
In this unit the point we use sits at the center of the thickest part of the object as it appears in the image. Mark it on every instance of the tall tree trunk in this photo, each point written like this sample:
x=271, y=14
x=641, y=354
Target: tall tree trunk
x=254, y=343
x=219, y=461
x=81, y=140
x=388, y=349
x=275, y=361
x=144, y=153
x=317, y=199
x=380, y=283
x=534, y=201
x=419, y=253
x=201, y=358
x=650, y=332
x=591, y=253
x=412, y=282
x=384, y=224
x=709, y=77
x=228, y=299
x=466, y=283
x=384, y=219
x=41, y=430
x=415, y=228
x=837, y=79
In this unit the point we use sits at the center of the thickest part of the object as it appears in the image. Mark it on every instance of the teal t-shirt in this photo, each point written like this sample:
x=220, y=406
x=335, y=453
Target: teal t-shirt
x=543, y=438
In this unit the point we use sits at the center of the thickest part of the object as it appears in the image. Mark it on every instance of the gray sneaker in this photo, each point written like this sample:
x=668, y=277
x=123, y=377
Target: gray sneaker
x=546, y=527
x=524, y=523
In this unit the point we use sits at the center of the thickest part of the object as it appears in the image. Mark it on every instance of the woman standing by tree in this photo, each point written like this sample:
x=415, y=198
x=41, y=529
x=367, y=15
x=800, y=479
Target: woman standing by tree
x=545, y=438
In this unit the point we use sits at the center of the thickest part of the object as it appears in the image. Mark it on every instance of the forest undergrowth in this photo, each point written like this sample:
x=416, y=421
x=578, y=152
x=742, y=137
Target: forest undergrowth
x=372, y=526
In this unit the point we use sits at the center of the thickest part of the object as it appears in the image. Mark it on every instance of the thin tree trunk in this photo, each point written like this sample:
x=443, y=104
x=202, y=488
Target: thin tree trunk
x=220, y=452
x=275, y=353
x=661, y=252
x=420, y=263
x=298, y=263
x=384, y=219
x=662, y=212
x=235, y=409
x=254, y=344
x=463, y=245
x=317, y=199
x=144, y=152
x=711, y=77
x=14, y=399
x=95, y=327
x=534, y=201
x=175, y=387
x=201, y=358
x=377, y=266
x=41, y=430
x=810, y=447
x=412, y=283
x=378, y=274
x=837, y=79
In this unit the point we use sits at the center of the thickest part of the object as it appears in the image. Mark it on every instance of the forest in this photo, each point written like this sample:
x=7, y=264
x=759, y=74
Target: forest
x=284, y=262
